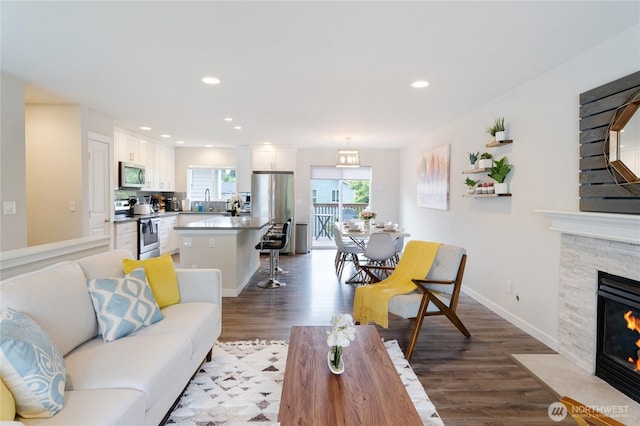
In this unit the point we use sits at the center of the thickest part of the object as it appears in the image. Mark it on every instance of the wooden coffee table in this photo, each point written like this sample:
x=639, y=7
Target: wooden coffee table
x=369, y=392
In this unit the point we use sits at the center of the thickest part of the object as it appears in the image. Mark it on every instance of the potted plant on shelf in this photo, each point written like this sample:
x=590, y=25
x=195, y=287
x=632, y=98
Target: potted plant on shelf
x=486, y=160
x=497, y=129
x=473, y=158
x=499, y=172
x=471, y=185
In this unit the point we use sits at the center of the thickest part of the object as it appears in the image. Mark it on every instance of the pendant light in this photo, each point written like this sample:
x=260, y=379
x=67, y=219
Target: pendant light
x=348, y=157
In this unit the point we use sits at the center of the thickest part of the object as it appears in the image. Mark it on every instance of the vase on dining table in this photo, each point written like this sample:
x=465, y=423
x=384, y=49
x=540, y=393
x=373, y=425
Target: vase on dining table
x=336, y=366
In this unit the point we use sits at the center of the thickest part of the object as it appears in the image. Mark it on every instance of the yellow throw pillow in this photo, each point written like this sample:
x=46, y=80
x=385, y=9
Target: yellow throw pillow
x=7, y=404
x=161, y=275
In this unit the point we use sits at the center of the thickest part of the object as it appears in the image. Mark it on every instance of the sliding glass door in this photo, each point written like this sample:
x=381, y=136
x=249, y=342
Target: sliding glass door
x=337, y=195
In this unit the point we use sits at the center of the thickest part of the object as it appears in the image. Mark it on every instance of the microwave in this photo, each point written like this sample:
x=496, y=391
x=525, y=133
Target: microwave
x=131, y=175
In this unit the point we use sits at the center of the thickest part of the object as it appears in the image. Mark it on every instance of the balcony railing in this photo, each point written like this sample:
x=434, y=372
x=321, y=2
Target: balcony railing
x=324, y=214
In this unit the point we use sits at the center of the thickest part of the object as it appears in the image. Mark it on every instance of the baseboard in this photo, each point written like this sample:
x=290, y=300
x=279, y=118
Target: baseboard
x=518, y=322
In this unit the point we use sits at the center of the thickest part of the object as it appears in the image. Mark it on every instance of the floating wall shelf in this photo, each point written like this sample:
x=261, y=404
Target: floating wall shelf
x=471, y=171
x=486, y=195
x=499, y=143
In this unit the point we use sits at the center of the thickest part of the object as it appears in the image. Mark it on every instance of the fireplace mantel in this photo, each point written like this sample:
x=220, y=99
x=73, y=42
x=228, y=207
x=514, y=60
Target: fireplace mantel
x=614, y=227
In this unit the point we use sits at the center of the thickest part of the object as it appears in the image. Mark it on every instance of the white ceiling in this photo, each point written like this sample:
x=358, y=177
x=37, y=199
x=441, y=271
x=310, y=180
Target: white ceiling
x=304, y=73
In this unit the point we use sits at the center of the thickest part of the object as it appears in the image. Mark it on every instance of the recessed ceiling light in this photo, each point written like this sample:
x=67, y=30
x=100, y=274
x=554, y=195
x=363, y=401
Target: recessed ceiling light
x=228, y=119
x=209, y=146
x=237, y=127
x=267, y=143
x=165, y=136
x=210, y=80
x=145, y=128
x=420, y=84
x=180, y=142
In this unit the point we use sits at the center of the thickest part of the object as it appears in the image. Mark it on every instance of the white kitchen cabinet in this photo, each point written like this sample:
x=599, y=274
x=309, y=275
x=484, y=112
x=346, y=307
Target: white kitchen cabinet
x=159, y=167
x=151, y=172
x=167, y=235
x=126, y=236
x=281, y=158
x=167, y=168
x=127, y=148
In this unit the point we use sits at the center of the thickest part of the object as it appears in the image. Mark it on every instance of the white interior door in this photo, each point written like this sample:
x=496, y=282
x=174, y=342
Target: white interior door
x=99, y=188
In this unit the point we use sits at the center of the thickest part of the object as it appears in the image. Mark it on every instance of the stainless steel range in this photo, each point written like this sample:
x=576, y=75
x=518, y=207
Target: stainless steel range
x=148, y=229
x=148, y=237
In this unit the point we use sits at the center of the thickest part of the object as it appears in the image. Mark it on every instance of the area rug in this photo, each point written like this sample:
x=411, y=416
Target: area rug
x=243, y=382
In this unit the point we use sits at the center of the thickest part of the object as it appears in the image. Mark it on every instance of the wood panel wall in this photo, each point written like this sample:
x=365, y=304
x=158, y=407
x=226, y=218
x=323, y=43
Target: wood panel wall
x=599, y=191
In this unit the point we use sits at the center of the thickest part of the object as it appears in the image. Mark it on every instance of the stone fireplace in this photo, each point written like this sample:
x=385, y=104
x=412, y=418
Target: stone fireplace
x=591, y=243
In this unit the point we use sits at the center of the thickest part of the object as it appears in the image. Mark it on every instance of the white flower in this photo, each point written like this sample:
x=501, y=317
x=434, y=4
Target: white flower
x=235, y=204
x=343, y=330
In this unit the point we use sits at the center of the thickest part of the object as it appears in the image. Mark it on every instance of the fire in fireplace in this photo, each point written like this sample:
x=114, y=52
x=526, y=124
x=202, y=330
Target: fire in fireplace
x=618, y=344
x=633, y=323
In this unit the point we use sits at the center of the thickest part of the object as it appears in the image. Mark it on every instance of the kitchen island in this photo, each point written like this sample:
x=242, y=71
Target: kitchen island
x=225, y=243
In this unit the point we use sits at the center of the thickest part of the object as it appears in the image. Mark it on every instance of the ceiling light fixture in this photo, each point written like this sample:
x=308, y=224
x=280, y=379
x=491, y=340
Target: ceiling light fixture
x=165, y=136
x=180, y=142
x=237, y=127
x=348, y=157
x=210, y=80
x=420, y=84
x=145, y=128
x=228, y=119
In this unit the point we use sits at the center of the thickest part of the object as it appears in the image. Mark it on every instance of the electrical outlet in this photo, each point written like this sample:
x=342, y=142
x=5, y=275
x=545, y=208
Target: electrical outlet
x=212, y=242
x=187, y=242
x=8, y=207
x=72, y=206
x=509, y=287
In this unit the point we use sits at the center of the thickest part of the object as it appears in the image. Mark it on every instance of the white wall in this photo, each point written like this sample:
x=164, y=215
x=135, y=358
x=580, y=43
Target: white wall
x=54, y=147
x=505, y=238
x=13, y=228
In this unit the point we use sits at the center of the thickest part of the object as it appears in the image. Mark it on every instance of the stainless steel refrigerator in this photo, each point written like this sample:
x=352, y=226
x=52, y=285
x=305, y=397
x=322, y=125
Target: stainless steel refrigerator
x=272, y=196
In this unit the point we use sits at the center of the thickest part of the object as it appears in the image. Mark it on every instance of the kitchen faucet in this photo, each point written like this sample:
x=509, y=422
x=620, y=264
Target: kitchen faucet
x=207, y=195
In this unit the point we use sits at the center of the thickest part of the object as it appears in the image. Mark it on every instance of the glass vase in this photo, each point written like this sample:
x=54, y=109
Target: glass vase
x=330, y=358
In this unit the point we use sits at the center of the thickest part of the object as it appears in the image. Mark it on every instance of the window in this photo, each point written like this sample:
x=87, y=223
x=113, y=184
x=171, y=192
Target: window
x=221, y=183
x=314, y=196
x=335, y=195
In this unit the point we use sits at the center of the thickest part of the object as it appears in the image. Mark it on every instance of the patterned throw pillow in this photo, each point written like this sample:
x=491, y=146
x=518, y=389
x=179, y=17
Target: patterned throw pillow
x=123, y=305
x=32, y=367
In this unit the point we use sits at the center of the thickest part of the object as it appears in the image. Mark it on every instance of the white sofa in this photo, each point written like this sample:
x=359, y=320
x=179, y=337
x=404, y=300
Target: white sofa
x=130, y=381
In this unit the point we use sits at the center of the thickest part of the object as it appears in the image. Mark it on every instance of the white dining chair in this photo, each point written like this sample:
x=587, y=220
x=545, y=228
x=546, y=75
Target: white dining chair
x=380, y=251
x=398, y=245
x=346, y=251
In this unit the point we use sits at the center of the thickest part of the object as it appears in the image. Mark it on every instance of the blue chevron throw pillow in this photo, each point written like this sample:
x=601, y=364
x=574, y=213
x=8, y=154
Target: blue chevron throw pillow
x=123, y=305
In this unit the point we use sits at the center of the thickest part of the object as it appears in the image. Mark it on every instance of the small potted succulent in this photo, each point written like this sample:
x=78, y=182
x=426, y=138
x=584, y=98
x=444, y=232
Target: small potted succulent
x=471, y=185
x=486, y=160
x=473, y=158
x=497, y=130
x=499, y=172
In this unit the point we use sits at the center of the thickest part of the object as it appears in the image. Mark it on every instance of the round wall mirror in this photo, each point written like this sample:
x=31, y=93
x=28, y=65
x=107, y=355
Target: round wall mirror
x=624, y=141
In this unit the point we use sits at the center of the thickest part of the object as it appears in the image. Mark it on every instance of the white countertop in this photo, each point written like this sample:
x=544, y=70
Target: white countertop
x=225, y=223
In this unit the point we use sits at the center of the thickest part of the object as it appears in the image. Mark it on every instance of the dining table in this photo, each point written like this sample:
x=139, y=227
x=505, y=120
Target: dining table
x=360, y=237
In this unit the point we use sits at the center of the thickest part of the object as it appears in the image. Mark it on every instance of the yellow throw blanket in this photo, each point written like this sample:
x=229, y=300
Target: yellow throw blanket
x=371, y=302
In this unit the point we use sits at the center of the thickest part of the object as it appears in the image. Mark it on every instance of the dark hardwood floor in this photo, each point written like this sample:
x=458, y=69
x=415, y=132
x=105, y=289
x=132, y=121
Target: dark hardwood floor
x=471, y=381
